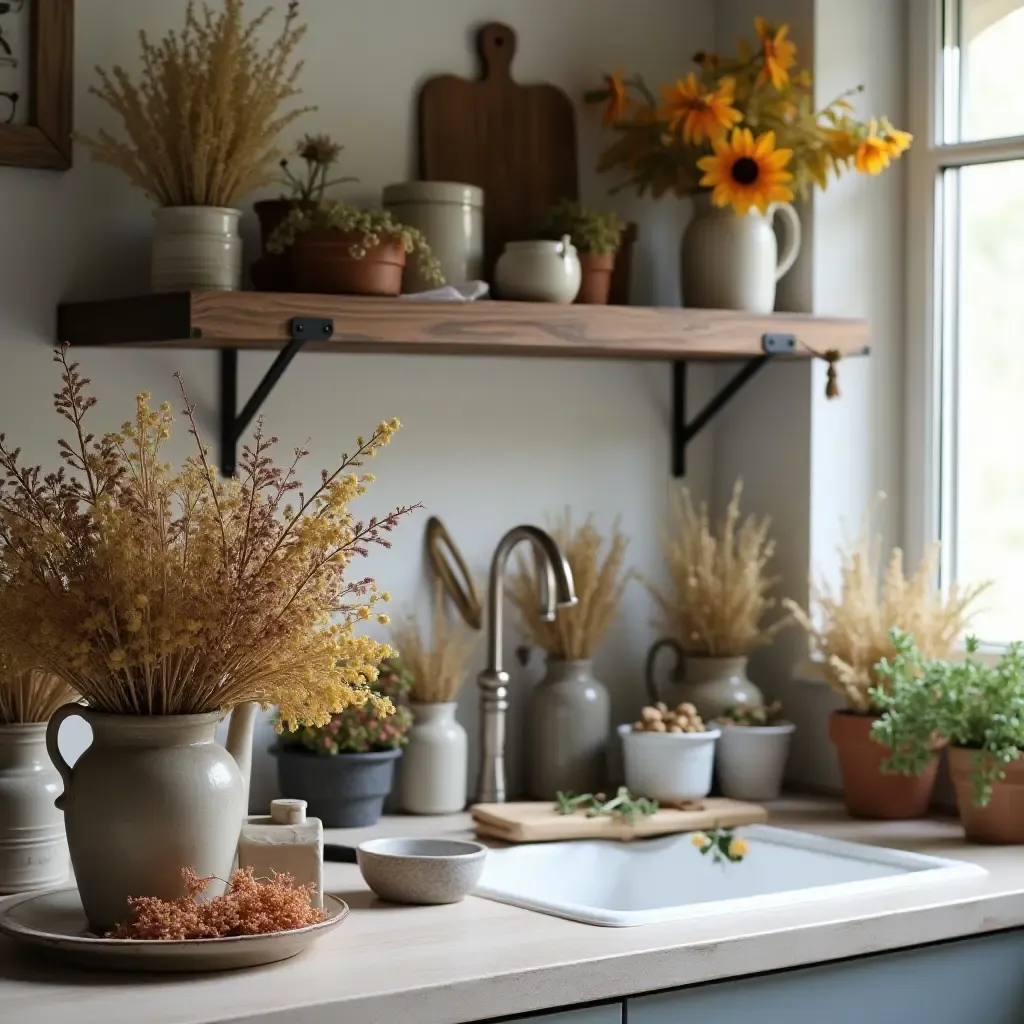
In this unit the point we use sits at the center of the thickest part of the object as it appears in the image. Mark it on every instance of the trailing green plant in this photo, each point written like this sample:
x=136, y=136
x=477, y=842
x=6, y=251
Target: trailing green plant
x=319, y=153
x=359, y=730
x=755, y=717
x=969, y=703
x=623, y=805
x=369, y=228
x=594, y=231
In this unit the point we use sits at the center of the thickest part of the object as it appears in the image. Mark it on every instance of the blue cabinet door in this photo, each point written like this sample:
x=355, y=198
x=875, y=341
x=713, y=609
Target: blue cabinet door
x=972, y=980
x=611, y=1013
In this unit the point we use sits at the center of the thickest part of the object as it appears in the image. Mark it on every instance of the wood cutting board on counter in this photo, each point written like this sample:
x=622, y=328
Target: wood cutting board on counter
x=516, y=142
x=538, y=822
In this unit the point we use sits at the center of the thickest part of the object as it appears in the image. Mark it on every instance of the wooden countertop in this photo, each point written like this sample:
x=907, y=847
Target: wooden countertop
x=477, y=959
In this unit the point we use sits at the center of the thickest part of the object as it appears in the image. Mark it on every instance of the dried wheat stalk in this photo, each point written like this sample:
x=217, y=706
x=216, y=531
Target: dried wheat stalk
x=202, y=119
x=437, y=667
x=29, y=695
x=718, y=590
x=854, y=620
x=600, y=584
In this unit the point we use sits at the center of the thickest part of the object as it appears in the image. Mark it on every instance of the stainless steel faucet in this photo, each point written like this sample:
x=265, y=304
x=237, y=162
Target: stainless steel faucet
x=556, y=588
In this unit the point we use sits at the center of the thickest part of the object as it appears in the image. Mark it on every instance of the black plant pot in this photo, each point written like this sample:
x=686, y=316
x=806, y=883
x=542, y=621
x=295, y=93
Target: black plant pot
x=342, y=790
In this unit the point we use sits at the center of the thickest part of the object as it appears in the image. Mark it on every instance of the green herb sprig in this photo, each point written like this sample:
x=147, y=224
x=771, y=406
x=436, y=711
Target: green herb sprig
x=721, y=844
x=623, y=805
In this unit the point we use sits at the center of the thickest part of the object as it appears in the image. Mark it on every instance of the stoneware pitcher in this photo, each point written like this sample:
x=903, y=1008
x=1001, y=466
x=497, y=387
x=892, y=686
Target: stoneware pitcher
x=710, y=684
x=149, y=796
x=731, y=261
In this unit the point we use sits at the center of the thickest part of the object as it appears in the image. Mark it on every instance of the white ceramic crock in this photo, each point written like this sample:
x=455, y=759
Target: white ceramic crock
x=196, y=248
x=750, y=760
x=669, y=766
x=434, y=771
x=539, y=271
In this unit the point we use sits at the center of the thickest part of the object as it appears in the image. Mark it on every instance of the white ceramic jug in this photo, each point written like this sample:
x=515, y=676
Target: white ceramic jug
x=731, y=261
x=539, y=271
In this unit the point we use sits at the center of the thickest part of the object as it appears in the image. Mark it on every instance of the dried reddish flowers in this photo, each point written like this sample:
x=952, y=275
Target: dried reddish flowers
x=249, y=907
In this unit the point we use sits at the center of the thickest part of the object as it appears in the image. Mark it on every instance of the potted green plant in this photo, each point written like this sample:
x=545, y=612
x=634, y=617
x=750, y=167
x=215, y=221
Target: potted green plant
x=750, y=757
x=345, y=769
x=304, y=189
x=851, y=629
x=338, y=249
x=597, y=236
x=979, y=708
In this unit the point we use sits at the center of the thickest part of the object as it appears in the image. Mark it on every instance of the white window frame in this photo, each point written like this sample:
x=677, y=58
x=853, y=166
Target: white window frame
x=929, y=428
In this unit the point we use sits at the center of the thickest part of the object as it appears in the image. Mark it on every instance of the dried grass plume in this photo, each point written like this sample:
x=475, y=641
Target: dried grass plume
x=849, y=625
x=29, y=695
x=717, y=595
x=436, y=666
x=202, y=120
x=600, y=578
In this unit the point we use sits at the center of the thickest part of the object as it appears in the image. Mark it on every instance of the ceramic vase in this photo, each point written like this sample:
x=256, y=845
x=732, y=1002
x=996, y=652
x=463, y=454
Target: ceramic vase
x=731, y=261
x=196, y=248
x=867, y=790
x=673, y=768
x=33, y=848
x=1001, y=820
x=148, y=797
x=711, y=685
x=342, y=790
x=570, y=719
x=750, y=760
x=435, y=762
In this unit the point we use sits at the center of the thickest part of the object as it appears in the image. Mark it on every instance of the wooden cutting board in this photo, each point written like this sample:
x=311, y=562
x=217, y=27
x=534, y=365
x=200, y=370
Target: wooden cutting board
x=540, y=822
x=516, y=142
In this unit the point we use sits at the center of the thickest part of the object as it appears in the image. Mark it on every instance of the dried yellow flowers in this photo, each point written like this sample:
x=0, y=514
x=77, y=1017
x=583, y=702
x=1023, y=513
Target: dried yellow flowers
x=153, y=592
x=718, y=588
x=854, y=621
x=600, y=580
x=202, y=120
x=250, y=906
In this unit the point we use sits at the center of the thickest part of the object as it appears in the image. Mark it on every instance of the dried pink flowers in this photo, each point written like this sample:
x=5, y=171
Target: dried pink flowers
x=249, y=907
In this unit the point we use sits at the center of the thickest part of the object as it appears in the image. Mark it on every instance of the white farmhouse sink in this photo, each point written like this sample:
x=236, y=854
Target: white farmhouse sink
x=613, y=883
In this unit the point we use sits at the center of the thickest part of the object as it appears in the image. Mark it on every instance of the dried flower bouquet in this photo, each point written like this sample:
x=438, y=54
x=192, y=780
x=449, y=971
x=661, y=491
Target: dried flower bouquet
x=26, y=694
x=155, y=592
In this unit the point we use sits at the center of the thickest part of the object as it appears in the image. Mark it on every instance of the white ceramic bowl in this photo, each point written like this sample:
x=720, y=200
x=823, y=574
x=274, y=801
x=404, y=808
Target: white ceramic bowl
x=669, y=766
x=421, y=870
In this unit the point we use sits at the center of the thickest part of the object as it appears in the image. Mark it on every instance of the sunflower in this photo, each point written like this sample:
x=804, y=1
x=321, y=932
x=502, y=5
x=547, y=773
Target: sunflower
x=617, y=103
x=873, y=152
x=701, y=115
x=747, y=172
x=779, y=53
x=899, y=142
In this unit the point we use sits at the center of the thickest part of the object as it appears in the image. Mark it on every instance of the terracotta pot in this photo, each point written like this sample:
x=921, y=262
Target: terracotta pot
x=597, y=277
x=271, y=272
x=1001, y=820
x=322, y=262
x=868, y=791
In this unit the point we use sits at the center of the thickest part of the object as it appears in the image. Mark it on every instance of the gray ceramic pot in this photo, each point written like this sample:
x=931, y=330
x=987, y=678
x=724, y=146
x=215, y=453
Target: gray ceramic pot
x=342, y=790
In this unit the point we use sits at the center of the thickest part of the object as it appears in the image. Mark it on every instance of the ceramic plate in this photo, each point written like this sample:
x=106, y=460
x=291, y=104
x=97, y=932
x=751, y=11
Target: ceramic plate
x=55, y=921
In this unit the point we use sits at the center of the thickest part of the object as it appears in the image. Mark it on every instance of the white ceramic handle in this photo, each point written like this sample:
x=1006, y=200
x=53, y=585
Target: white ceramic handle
x=564, y=246
x=791, y=249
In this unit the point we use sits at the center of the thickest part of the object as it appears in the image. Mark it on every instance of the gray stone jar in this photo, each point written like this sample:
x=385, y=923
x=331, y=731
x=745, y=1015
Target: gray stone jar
x=342, y=790
x=570, y=718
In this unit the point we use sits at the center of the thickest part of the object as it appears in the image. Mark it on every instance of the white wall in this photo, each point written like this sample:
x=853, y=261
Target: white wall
x=487, y=443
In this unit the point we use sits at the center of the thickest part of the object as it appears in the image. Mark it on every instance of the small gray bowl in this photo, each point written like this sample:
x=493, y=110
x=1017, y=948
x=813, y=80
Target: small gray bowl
x=421, y=870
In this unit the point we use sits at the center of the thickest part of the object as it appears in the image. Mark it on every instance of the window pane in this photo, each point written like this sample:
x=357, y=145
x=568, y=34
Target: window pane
x=991, y=43
x=988, y=429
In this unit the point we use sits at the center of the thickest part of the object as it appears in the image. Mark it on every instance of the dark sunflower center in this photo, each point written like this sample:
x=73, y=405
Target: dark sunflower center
x=745, y=171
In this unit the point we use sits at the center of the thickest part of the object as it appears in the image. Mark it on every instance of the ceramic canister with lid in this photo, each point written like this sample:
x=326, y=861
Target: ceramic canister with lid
x=451, y=218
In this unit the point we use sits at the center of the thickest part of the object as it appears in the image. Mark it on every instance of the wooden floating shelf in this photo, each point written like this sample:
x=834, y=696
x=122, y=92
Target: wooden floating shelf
x=264, y=320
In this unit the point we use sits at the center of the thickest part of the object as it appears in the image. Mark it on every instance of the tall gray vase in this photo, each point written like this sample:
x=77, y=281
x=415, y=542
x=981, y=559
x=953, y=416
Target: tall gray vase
x=570, y=719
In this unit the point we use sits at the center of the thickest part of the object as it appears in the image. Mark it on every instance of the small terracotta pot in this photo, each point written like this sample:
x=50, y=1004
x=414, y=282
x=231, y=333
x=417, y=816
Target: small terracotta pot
x=867, y=790
x=322, y=262
x=1001, y=820
x=596, y=284
x=270, y=272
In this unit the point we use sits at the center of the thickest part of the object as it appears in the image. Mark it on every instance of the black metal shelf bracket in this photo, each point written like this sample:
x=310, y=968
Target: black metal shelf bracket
x=233, y=424
x=684, y=432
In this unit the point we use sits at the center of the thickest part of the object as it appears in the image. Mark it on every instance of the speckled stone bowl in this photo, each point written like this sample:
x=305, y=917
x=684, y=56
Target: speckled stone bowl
x=421, y=870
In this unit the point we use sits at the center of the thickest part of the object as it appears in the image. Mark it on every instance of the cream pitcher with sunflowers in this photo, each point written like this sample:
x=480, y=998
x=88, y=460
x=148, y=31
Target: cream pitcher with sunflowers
x=741, y=135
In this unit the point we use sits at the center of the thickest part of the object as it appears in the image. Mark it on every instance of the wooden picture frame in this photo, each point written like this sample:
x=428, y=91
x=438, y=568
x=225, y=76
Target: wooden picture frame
x=44, y=141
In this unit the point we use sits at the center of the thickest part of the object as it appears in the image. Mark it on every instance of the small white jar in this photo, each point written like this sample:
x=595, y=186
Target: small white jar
x=672, y=767
x=435, y=763
x=539, y=271
x=451, y=218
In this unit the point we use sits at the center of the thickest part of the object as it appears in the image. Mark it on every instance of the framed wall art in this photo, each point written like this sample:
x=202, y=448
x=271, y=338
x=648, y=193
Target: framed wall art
x=36, y=69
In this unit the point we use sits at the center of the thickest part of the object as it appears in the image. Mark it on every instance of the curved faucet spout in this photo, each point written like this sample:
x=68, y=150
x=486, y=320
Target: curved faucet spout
x=556, y=588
